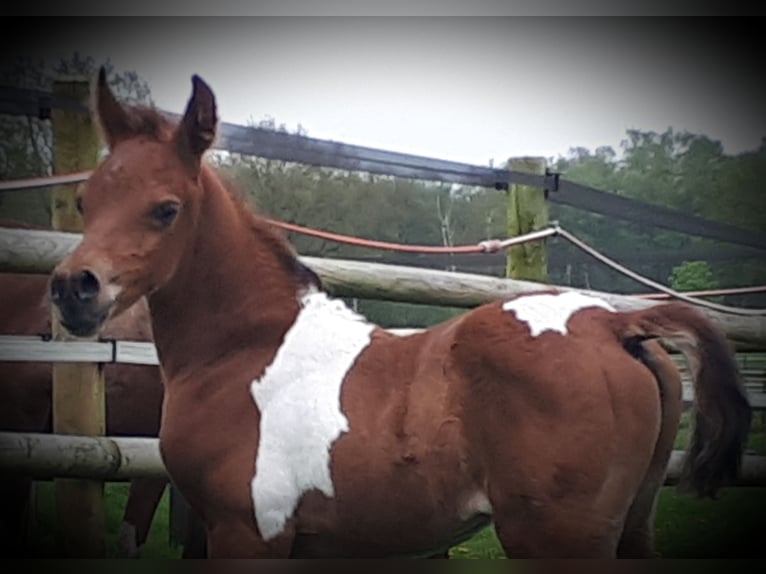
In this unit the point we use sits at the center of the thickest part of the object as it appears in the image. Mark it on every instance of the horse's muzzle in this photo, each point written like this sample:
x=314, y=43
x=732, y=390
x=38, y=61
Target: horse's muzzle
x=76, y=296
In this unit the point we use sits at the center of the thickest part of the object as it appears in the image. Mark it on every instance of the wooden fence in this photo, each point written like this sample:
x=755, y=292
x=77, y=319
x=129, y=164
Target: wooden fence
x=111, y=458
x=39, y=251
x=283, y=146
x=45, y=456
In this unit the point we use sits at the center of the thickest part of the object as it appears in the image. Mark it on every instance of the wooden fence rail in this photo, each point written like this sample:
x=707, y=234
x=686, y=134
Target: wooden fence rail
x=44, y=456
x=33, y=251
x=36, y=349
x=31, y=348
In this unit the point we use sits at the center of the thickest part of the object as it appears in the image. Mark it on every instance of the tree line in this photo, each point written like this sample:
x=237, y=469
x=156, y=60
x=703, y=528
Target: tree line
x=680, y=170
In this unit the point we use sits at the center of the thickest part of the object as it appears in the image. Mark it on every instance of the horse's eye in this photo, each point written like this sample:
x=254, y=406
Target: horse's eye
x=165, y=213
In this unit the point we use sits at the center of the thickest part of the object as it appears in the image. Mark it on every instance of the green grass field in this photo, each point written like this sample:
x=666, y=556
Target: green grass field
x=686, y=528
x=116, y=495
x=729, y=527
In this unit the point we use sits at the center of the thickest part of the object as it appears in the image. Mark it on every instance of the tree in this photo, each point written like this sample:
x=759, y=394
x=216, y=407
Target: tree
x=680, y=170
x=692, y=276
x=26, y=146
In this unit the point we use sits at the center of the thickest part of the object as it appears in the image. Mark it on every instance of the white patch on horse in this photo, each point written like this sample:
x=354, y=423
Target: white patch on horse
x=551, y=312
x=298, y=397
x=476, y=503
x=112, y=292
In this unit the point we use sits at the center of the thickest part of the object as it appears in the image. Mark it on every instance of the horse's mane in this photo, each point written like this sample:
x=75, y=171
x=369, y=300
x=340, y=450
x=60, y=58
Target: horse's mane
x=149, y=122
x=266, y=232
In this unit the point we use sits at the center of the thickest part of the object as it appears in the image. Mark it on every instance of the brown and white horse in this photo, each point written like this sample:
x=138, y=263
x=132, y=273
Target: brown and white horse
x=297, y=428
x=133, y=407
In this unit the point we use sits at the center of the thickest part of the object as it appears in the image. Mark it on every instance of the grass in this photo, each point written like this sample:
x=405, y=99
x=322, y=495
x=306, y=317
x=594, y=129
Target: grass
x=116, y=495
x=730, y=527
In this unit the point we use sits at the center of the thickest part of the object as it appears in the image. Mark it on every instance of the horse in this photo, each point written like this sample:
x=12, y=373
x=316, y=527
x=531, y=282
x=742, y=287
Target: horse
x=297, y=428
x=133, y=407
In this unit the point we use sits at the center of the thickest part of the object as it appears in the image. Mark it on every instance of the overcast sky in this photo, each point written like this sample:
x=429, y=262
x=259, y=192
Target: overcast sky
x=465, y=89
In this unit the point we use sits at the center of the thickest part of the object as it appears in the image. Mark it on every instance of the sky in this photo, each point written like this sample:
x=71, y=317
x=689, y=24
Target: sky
x=473, y=90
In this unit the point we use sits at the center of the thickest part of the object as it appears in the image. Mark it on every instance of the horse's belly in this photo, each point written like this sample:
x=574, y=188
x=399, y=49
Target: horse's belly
x=410, y=496
x=392, y=523
x=355, y=544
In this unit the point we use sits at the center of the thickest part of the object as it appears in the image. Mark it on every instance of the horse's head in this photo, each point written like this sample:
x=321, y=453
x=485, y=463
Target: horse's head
x=139, y=208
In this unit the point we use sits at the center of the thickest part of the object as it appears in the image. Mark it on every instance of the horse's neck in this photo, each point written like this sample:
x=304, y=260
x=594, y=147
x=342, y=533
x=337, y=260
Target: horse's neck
x=231, y=291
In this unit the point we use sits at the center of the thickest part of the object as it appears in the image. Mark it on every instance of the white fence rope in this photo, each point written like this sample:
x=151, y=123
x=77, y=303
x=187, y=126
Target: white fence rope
x=651, y=283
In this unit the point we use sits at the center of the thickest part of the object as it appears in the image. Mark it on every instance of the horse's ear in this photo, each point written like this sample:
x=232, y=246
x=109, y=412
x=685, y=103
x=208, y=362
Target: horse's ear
x=196, y=131
x=114, y=119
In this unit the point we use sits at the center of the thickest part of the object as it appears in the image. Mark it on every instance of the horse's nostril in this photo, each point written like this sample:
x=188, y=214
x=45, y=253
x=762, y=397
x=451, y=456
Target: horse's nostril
x=85, y=285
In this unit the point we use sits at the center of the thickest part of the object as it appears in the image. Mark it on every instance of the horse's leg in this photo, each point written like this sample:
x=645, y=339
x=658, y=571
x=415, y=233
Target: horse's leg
x=195, y=538
x=143, y=499
x=638, y=534
x=187, y=528
x=529, y=528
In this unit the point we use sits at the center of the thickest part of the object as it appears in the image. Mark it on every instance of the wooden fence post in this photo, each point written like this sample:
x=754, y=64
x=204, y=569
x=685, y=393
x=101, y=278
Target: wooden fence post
x=78, y=388
x=527, y=211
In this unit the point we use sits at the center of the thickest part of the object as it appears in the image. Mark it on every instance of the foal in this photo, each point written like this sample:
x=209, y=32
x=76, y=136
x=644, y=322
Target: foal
x=296, y=428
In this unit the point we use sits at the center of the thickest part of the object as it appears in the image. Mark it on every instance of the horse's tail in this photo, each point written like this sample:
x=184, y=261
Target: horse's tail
x=721, y=411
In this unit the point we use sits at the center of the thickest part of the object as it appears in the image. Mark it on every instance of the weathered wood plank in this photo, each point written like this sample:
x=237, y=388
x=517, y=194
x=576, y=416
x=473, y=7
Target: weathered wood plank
x=46, y=456
x=527, y=212
x=39, y=251
x=117, y=458
x=136, y=353
x=29, y=251
x=431, y=287
x=79, y=391
x=34, y=349
x=30, y=349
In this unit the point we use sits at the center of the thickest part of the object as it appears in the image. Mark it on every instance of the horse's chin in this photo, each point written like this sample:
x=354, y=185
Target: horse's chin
x=84, y=324
x=82, y=328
